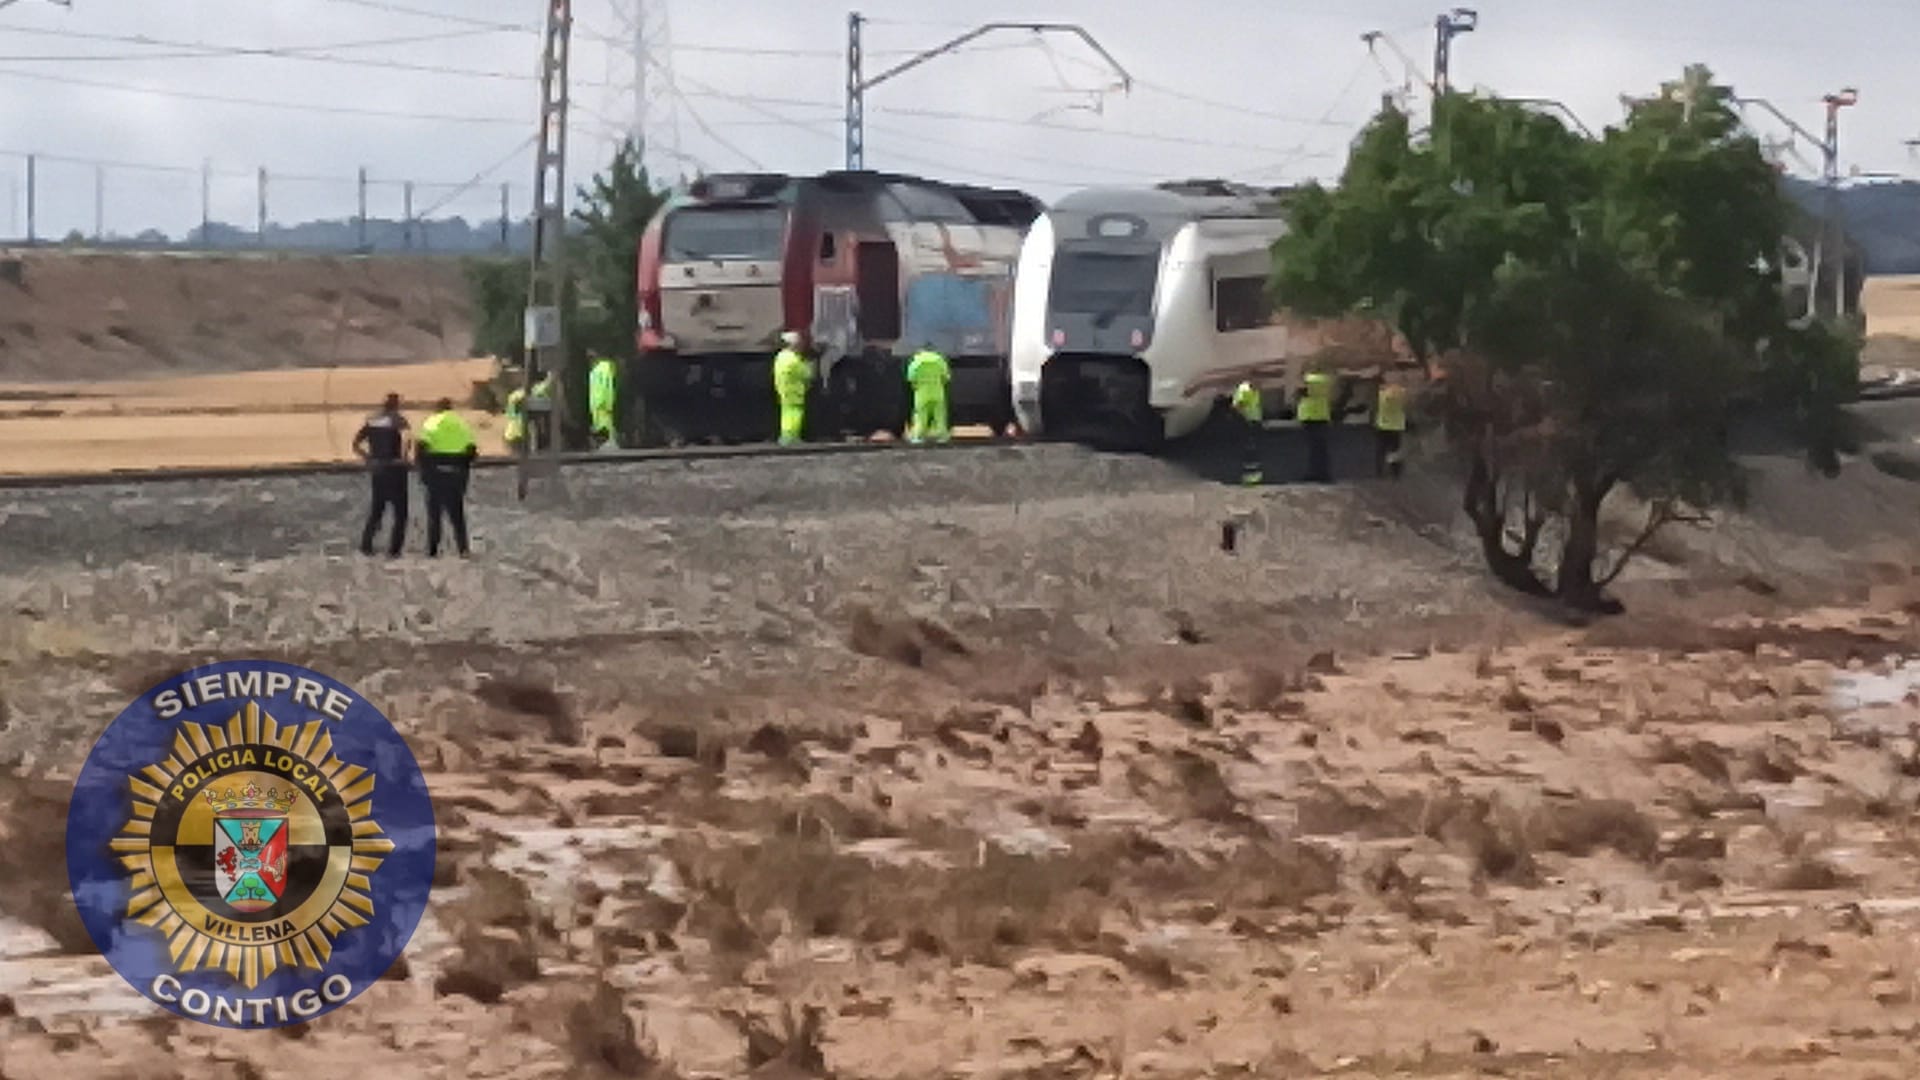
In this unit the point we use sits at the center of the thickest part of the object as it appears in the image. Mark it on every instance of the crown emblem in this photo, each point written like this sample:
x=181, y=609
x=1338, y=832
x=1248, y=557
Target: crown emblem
x=250, y=799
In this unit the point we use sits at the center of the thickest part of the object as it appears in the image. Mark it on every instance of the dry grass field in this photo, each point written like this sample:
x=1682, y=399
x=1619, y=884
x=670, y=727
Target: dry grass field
x=1893, y=306
x=216, y=420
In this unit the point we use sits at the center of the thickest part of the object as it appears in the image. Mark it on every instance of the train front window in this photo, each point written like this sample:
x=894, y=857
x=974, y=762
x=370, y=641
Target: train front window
x=726, y=234
x=1105, y=284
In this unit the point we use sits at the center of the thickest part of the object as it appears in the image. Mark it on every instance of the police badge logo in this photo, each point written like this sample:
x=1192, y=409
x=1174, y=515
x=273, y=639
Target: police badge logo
x=251, y=844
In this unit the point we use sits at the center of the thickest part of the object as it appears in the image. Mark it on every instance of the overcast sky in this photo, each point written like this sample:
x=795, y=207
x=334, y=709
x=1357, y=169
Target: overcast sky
x=1261, y=90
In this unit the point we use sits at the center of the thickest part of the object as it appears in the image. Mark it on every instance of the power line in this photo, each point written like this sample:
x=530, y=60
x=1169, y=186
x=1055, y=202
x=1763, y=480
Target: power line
x=980, y=118
x=195, y=50
x=206, y=50
x=1145, y=136
x=479, y=176
x=813, y=129
x=402, y=9
x=999, y=152
x=1299, y=153
x=228, y=174
x=1227, y=106
x=223, y=99
x=673, y=87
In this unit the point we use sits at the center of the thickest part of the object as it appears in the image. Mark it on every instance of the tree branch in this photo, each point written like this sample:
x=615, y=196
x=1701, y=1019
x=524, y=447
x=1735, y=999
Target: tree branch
x=1662, y=513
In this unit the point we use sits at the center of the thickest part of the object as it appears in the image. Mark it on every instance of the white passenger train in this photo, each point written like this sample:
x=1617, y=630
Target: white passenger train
x=1136, y=310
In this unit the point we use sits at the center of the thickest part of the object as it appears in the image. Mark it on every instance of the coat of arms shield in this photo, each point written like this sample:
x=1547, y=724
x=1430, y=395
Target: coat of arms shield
x=250, y=847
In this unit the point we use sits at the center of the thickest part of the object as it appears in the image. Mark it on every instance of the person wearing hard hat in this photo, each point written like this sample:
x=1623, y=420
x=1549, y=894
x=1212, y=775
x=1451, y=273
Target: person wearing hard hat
x=929, y=374
x=1315, y=413
x=1246, y=402
x=792, y=375
x=600, y=400
x=445, y=452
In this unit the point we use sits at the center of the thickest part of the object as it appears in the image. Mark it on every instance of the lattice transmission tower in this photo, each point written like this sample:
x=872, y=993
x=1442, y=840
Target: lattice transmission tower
x=640, y=84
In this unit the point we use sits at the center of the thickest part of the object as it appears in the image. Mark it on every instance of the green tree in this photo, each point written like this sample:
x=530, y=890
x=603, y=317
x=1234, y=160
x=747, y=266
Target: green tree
x=1596, y=309
x=600, y=300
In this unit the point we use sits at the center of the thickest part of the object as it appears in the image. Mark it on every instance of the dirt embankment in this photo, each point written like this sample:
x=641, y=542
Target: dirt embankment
x=999, y=766
x=85, y=316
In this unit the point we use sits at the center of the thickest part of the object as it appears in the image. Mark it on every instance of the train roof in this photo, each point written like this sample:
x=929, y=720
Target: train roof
x=1182, y=200
x=987, y=205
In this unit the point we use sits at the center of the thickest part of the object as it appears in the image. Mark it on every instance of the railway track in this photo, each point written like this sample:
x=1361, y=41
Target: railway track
x=1886, y=394
x=21, y=482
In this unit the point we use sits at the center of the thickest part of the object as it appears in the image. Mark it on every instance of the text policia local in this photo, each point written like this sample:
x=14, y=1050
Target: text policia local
x=273, y=1010
x=251, y=684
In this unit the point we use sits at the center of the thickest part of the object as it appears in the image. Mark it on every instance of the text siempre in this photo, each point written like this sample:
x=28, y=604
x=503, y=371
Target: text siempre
x=251, y=684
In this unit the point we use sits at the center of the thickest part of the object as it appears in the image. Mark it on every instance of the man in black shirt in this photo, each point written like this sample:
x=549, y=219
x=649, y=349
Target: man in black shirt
x=382, y=444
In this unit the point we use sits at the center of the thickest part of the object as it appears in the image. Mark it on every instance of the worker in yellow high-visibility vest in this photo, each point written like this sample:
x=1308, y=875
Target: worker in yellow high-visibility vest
x=1315, y=413
x=600, y=400
x=515, y=434
x=792, y=376
x=1389, y=426
x=445, y=453
x=543, y=415
x=1246, y=402
x=928, y=373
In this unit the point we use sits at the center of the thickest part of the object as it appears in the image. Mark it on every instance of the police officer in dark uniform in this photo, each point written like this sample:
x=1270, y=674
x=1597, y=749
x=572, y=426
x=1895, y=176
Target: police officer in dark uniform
x=382, y=444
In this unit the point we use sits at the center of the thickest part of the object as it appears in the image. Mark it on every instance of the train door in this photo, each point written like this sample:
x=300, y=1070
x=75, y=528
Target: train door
x=877, y=281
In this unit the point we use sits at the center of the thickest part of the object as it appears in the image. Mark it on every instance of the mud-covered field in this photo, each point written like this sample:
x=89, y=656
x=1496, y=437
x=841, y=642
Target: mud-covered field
x=995, y=763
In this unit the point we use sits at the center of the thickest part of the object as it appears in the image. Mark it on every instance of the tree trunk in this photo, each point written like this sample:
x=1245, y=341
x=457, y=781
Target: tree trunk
x=1489, y=516
x=1576, y=587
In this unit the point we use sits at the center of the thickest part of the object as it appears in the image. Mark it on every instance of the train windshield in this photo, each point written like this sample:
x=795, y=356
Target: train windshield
x=1105, y=284
x=726, y=234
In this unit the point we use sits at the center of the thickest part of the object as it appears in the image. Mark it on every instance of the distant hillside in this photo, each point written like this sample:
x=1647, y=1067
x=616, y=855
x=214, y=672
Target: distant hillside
x=384, y=236
x=73, y=315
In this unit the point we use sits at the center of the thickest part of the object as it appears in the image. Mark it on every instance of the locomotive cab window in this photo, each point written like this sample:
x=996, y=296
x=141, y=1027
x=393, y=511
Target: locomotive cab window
x=1241, y=303
x=826, y=247
x=726, y=234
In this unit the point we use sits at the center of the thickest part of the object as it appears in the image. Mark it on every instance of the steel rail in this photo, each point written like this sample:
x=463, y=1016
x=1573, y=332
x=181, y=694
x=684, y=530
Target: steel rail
x=28, y=481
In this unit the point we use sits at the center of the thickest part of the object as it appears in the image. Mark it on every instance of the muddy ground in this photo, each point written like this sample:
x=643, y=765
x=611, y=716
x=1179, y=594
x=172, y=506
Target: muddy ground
x=994, y=763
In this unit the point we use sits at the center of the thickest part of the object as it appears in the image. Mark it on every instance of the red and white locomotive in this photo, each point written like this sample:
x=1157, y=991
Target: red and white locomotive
x=869, y=267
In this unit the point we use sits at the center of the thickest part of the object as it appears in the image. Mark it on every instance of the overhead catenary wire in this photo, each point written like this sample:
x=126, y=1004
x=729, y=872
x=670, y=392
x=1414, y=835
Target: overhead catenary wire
x=983, y=118
x=306, y=53
x=203, y=51
x=1300, y=152
x=700, y=122
x=475, y=180
x=443, y=16
x=289, y=106
x=828, y=133
x=233, y=174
